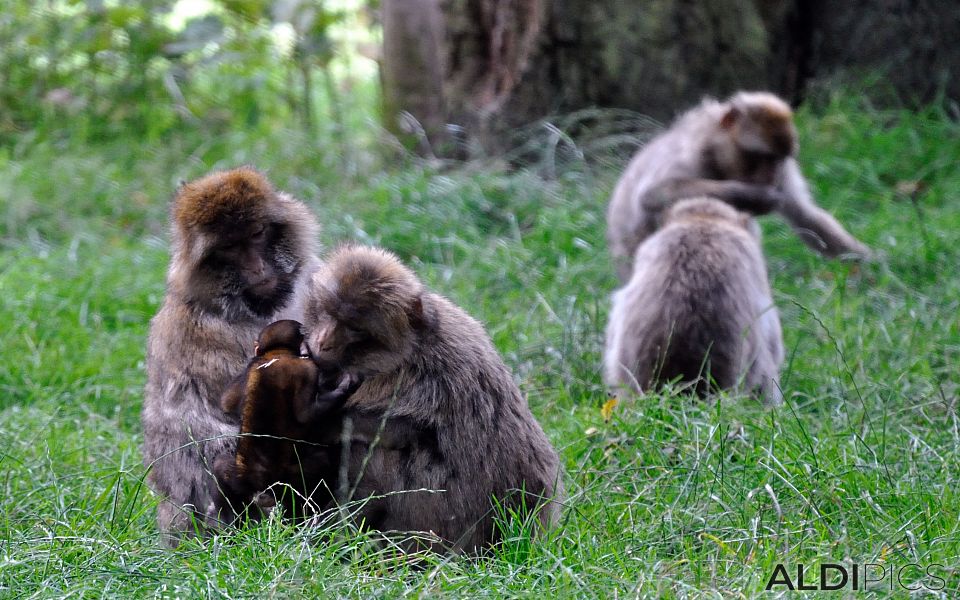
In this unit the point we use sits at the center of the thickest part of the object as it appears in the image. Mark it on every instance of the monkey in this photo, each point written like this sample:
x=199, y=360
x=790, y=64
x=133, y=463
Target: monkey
x=240, y=259
x=698, y=307
x=278, y=399
x=741, y=151
x=438, y=437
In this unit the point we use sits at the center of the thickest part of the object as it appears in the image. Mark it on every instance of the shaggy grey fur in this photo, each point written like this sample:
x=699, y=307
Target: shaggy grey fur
x=697, y=307
x=439, y=423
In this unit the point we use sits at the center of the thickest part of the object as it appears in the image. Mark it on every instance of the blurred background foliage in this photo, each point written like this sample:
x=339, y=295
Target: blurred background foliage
x=448, y=79
x=90, y=70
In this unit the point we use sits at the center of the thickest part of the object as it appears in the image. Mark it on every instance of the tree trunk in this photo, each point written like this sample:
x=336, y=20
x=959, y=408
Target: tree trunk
x=909, y=47
x=412, y=73
x=655, y=57
x=492, y=66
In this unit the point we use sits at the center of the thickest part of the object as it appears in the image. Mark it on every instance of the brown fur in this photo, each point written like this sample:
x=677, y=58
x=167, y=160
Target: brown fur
x=209, y=317
x=277, y=399
x=697, y=307
x=223, y=197
x=741, y=151
x=438, y=424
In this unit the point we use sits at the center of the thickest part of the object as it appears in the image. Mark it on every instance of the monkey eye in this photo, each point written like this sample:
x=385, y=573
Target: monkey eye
x=759, y=155
x=230, y=246
x=352, y=334
x=326, y=348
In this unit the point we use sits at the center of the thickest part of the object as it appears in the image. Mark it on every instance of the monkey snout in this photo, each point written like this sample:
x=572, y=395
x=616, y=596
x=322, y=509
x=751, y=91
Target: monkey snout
x=261, y=285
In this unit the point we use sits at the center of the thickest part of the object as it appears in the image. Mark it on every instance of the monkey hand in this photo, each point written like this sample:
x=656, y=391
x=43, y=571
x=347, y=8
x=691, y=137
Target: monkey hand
x=224, y=469
x=346, y=385
x=328, y=399
x=265, y=501
x=861, y=253
x=777, y=198
x=752, y=198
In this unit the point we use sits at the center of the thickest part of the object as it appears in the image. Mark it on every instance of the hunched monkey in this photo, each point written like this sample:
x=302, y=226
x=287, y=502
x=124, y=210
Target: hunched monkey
x=741, y=151
x=440, y=431
x=241, y=256
x=697, y=307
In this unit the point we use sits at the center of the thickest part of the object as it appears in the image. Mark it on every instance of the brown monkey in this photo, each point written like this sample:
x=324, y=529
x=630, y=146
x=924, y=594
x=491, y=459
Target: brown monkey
x=697, y=307
x=241, y=256
x=438, y=431
x=741, y=151
x=279, y=401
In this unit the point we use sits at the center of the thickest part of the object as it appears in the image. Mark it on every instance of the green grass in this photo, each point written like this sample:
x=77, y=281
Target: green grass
x=671, y=497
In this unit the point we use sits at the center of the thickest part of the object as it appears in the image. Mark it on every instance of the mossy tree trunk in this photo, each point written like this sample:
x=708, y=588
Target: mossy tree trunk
x=494, y=65
x=909, y=46
x=412, y=73
x=511, y=62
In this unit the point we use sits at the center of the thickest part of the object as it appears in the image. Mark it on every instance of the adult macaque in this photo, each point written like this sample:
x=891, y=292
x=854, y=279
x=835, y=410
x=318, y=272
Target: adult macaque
x=741, y=151
x=241, y=255
x=439, y=433
x=697, y=307
x=280, y=400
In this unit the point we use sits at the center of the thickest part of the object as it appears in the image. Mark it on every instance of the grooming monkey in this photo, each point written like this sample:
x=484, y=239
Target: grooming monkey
x=741, y=151
x=697, y=307
x=279, y=400
x=241, y=254
x=439, y=431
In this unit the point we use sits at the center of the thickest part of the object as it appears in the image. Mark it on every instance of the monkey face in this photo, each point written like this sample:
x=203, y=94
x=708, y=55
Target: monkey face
x=760, y=167
x=364, y=313
x=249, y=263
x=336, y=347
x=330, y=343
x=754, y=138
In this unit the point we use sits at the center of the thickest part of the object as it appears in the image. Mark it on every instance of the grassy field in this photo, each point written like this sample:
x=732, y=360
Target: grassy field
x=670, y=497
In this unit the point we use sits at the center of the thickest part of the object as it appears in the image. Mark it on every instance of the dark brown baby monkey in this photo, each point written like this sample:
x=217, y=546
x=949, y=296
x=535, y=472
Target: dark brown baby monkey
x=280, y=398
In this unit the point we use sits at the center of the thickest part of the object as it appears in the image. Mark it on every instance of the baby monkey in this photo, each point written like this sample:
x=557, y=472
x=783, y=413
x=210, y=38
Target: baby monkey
x=279, y=398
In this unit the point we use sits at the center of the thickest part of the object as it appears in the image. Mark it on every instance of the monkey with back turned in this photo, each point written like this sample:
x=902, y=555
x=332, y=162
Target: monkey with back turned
x=697, y=308
x=281, y=399
x=741, y=151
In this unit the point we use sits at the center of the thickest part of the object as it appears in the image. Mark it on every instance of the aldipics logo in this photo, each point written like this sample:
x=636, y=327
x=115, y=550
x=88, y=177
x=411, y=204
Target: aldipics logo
x=860, y=577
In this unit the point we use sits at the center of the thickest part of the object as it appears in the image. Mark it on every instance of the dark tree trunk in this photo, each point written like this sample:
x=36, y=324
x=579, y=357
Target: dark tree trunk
x=412, y=72
x=509, y=63
x=653, y=57
x=488, y=45
x=908, y=46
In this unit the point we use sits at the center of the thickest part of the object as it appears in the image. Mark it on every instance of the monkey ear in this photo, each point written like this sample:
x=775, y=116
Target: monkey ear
x=730, y=117
x=415, y=313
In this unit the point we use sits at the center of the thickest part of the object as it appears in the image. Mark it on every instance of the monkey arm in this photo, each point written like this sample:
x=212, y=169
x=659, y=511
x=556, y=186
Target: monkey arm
x=308, y=406
x=748, y=197
x=232, y=397
x=815, y=226
x=225, y=470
